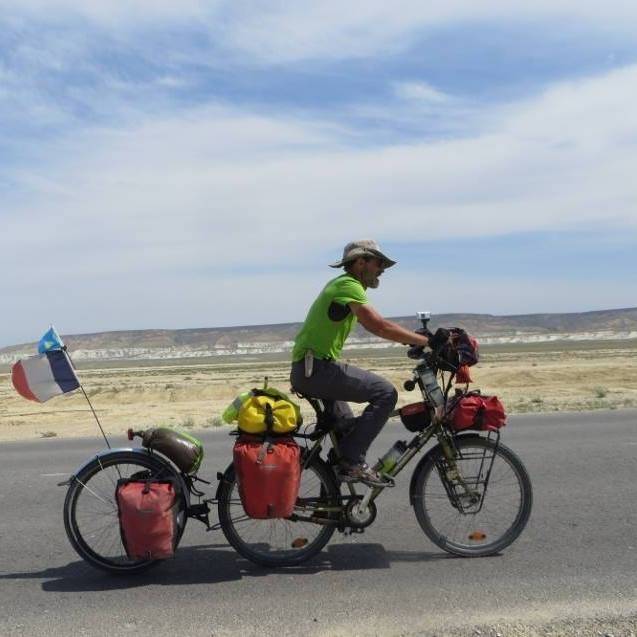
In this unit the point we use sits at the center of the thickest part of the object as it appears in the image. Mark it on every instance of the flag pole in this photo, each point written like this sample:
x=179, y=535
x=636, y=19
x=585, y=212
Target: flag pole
x=99, y=424
x=108, y=444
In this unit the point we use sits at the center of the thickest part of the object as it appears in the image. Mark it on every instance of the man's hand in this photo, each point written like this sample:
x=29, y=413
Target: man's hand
x=440, y=338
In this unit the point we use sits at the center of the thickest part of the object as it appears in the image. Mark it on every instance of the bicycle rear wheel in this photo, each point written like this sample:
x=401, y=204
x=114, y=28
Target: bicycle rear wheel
x=90, y=511
x=491, y=516
x=281, y=542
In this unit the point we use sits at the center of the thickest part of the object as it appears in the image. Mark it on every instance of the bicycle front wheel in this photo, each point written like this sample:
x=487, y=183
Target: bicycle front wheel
x=486, y=513
x=282, y=542
x=91, y=518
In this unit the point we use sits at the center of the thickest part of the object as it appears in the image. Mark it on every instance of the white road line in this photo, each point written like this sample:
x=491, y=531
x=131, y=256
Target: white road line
x=53, y=475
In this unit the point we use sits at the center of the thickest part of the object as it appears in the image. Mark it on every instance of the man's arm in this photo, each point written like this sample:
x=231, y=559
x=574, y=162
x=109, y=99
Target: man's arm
x=373, y=322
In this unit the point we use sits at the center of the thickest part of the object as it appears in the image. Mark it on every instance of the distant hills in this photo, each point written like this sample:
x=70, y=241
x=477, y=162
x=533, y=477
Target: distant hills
x=259, y=339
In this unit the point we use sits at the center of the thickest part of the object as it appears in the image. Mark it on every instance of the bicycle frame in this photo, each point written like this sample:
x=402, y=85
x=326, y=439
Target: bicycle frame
x=450, y=477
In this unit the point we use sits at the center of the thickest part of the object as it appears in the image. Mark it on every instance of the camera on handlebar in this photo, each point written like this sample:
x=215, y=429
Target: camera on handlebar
x=438, y=357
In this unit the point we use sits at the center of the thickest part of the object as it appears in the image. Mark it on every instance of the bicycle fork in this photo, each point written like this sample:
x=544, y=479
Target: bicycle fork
x=452, y=478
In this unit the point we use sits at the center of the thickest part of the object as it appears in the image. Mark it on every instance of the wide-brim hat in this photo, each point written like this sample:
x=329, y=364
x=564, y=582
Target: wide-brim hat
x=362, y=248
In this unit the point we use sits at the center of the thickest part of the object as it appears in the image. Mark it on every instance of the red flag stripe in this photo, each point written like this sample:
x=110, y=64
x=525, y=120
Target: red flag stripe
x=19, y=381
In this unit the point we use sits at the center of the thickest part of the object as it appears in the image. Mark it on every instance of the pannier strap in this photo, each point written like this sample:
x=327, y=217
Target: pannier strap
x=269, y=419
x=267, y=442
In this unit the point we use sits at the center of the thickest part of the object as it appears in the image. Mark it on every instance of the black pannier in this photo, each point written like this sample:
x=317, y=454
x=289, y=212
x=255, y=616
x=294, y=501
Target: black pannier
x=415, y=416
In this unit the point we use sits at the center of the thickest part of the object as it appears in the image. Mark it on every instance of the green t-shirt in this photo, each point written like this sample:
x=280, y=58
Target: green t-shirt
x=330, y=319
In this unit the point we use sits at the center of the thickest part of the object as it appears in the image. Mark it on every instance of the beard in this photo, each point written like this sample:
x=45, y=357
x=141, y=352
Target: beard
x=371, y=281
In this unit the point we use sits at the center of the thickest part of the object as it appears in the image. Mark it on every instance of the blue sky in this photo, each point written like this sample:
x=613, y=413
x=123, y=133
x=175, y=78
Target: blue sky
x=199, y=164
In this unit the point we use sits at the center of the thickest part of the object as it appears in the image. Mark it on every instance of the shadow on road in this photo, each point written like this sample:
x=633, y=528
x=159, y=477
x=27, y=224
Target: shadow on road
x=209, y=564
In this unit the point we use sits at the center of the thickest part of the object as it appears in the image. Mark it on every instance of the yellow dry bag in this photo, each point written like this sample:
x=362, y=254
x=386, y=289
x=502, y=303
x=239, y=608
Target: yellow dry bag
x=262, y=405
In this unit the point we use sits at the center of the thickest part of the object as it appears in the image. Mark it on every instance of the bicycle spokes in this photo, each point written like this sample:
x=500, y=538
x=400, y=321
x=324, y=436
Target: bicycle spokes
x=476, y=503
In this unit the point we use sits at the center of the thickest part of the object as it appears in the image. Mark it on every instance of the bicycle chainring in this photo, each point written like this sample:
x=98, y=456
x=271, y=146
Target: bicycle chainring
x=358, y=519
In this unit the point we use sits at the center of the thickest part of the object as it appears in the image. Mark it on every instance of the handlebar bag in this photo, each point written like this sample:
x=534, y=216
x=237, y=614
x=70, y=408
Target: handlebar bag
x=458, y=355
x=268, y=474
x=147, y=512
x=474, y=411
x=415, y=416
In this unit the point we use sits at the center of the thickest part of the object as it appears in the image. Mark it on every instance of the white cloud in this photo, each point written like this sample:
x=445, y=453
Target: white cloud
x=420, y=92
x=111, y=12
x=277, y=31
x=207, y=213
x=545, y=163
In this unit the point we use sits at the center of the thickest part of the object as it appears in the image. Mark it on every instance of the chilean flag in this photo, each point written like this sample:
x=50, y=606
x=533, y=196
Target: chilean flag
x=42, y=377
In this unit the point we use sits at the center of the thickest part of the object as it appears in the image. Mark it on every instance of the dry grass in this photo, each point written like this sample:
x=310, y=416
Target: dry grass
x=193, y=396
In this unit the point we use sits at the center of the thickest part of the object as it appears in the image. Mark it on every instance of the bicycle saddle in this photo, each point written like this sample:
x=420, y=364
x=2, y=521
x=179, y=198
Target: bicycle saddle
x=325, y=420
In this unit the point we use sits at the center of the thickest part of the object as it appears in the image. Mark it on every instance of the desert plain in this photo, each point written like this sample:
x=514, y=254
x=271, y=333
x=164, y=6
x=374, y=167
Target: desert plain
x=538, y=377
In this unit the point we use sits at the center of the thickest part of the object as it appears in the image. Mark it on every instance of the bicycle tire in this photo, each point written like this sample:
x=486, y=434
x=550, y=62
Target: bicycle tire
x=461, y=533
x=90, y=511
x=262, y=548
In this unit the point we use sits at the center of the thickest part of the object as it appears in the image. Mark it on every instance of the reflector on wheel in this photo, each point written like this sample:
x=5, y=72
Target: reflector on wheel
x=478, y=536
x=299, y=543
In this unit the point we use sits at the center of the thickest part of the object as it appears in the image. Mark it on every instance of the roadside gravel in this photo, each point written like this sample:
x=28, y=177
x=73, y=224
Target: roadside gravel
x=582, y=627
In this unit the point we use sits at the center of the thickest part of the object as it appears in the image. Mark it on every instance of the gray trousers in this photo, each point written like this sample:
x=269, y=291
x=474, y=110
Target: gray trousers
x=336, y=384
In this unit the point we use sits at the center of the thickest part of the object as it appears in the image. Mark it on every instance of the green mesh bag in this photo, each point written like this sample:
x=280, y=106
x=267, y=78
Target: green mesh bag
x=184, y=450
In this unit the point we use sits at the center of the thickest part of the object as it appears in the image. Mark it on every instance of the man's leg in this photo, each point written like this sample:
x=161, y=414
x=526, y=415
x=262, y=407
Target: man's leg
x=342, y=382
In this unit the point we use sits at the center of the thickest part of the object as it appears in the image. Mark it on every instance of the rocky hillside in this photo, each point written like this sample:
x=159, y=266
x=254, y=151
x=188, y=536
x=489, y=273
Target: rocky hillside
x=258, y=339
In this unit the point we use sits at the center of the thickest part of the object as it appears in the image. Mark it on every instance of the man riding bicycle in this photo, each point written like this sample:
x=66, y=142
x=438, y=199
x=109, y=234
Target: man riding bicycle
x=317, y=372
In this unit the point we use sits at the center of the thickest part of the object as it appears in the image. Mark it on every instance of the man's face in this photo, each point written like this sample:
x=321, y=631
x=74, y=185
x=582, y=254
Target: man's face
x=371, y=272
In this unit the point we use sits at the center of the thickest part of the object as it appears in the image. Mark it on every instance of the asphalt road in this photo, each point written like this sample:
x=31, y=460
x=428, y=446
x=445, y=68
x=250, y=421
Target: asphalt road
x=576, y=560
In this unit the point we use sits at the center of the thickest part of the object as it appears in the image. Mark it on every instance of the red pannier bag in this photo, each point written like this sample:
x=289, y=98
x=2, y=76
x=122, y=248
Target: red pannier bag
x=474, y=411
x=147, y=518
x=268, y=475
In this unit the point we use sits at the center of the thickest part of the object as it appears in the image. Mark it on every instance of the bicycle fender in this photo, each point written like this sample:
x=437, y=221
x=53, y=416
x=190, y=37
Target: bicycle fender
x=138, y=451
x=412, y=482
x=226, y=476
